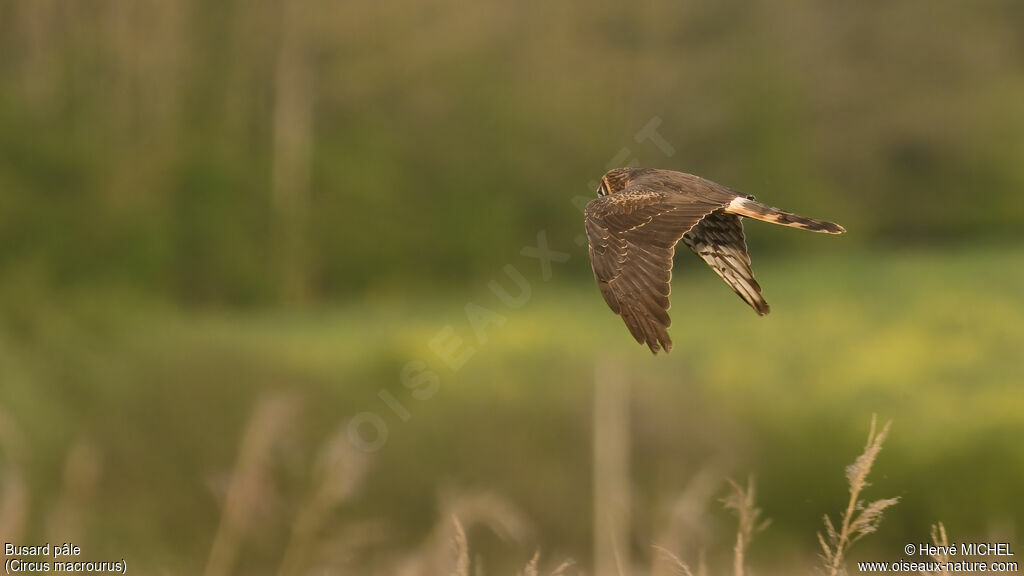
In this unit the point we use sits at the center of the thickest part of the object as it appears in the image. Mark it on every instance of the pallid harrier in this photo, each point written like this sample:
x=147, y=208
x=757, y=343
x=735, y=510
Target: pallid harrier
x=633, y=227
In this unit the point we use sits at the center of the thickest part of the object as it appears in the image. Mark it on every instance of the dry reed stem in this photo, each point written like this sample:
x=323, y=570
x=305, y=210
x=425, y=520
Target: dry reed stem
x=460, y=547
x=82, y=469
x=941, y=541
x=611, y=472
x=292, y=149
x=686, y=525
x=859, y=519
x=487, y=509
x=743, y=503
x=531, y=566
x=562, y=568
x=532, y=569
x=249, y=482
x=337, y=473
x=678, y=566
x=702, y=564
x=15, y=495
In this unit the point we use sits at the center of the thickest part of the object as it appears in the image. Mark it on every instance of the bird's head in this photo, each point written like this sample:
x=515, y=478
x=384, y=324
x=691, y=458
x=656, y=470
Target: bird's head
x=615, y=180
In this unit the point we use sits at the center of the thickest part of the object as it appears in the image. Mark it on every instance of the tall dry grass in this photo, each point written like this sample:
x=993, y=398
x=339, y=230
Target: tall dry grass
x=612, y=505
x=859, y=519
x=941, y=542
x=687, y=526
x=82, y=473
x=337, y=473
x=14, y=493
x=445, y=549
x=741, y=501
x=67, y=515
x=249, y=484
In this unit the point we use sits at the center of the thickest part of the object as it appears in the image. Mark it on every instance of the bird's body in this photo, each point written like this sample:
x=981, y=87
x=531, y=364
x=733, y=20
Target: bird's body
x=637, y=219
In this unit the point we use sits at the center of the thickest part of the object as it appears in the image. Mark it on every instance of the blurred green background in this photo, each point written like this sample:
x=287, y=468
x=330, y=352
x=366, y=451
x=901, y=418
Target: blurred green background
x=211, y=211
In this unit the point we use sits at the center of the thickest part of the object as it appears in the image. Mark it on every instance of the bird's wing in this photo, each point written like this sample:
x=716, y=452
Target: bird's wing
x=632, y=237
x=718, y=239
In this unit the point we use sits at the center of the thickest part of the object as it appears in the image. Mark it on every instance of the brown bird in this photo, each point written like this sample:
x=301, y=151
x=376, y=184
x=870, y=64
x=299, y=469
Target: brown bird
x=633, y=227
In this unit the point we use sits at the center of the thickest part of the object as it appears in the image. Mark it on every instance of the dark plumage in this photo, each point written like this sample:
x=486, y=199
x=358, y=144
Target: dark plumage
x=637, y=219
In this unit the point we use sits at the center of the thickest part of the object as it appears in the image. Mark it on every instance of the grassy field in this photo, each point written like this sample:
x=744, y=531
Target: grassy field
x=130, y=413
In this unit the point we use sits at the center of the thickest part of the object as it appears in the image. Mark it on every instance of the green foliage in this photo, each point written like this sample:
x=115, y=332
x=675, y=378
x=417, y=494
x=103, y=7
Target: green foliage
x=139, y=146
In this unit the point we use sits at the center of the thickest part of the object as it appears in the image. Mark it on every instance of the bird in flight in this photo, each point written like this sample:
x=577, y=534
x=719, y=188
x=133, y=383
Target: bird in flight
x=635, y=222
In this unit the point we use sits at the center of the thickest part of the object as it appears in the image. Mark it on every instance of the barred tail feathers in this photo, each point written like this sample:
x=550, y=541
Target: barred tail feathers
x=752, y=209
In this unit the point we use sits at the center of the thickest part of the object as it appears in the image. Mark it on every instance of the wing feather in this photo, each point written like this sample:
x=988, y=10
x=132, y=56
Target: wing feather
x=719, y=240
x=632, y=236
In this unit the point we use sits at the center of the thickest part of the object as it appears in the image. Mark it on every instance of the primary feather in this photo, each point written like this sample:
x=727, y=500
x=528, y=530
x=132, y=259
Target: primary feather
x=637, y=220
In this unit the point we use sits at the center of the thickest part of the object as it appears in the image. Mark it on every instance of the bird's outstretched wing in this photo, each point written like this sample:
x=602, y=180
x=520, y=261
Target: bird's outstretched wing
x=632, y=237
x=718, y=239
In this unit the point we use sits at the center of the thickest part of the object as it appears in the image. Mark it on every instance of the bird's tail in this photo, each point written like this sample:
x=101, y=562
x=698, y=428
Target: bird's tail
x=751, y=209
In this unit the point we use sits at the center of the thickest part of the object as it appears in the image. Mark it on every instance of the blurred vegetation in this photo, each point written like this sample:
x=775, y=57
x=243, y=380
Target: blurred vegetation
x=205, y=202
x=248, y=152
x=165, y=396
